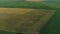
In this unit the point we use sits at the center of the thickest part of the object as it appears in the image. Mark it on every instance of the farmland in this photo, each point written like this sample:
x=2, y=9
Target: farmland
x=52, y=24
x=23, y=19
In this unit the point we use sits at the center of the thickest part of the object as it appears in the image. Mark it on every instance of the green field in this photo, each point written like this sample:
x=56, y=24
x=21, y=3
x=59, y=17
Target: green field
x=36, y=5
x=52, y=27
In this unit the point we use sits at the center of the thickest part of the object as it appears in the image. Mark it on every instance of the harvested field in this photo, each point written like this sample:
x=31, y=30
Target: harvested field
x=26, y=21
x=14, y=10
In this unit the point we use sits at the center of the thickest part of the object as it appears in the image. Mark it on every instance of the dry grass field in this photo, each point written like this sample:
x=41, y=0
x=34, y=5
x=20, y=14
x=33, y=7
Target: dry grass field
x=14, y=10
x=24, y=20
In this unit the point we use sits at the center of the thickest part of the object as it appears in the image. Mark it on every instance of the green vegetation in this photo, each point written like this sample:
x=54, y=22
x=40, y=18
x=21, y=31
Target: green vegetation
x=36, y=5
x=53, y=26
x=5, y=32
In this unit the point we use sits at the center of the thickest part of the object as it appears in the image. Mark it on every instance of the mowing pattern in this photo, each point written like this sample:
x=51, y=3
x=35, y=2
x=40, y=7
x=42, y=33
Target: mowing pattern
x=30, y=22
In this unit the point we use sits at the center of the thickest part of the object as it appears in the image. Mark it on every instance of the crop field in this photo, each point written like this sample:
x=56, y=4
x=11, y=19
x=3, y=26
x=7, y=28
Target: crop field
x=24, y=20
x=39, y=5
x=12, y=12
